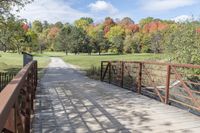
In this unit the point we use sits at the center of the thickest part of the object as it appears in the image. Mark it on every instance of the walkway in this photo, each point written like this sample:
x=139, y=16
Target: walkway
x=69, y=102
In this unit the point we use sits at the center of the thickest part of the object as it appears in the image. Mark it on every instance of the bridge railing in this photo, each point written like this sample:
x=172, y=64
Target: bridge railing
x=177, y=84
x=5, y=78
x=16, y=101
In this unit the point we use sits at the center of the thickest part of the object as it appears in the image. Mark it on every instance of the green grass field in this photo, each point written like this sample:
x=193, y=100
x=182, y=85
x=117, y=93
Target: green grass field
x=12, y=62
x=86, y=61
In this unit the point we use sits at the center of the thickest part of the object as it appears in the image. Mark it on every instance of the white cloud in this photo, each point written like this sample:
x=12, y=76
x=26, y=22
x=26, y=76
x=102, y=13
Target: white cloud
x=184, y=18
x=102, y=6
x=165, y=5
x=52, y=11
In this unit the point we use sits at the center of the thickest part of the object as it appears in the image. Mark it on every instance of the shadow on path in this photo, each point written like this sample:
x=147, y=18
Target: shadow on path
x=67, y=101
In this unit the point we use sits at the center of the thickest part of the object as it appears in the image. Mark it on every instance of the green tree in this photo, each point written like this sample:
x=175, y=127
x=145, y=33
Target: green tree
x=64, y=39
x=37, y=26
x=98, y=40
x=145, y=43
x=130, y=45
x=77, y=40
x=18, y=36
x=45, y=25
x=184, y=44
x=116, y=37
x=156, y=44
x=83, y=23
x=32, y=41
x=59, y=25
x=137, y=42
x=7, y=5
x=11, y=34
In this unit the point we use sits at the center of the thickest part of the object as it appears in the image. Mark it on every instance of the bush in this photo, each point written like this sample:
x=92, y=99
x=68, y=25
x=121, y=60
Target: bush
x=94, y=72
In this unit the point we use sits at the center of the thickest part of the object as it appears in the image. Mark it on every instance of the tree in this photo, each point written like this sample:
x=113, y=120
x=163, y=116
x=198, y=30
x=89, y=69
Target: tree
x=129, y=44
x=145, y=43
x=59, y=25
x=77, y=40
x=11, y=34
x=87, y=45
x=18, y=35
x=154, y=27
x=118, y=44
x=137, y=42
x=63, y=39
x=37, y=26
x=7, y=5
x=157, y=42
x=185, y=43
x=45, y=25
x=126, y=21
x=108, y=23
x=5, y=33
x=98, y=40
x=83, y=23
x=32, y=41
x=116, y=37
x=132, y=29
x=145, y=21
x=53, y=32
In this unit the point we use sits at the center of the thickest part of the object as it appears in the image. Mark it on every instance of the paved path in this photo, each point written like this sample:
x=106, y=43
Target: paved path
x=69, y=102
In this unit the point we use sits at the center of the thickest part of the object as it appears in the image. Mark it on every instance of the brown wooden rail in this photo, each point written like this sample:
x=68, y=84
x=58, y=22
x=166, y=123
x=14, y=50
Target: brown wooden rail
x=16, y=101
x=167, y=82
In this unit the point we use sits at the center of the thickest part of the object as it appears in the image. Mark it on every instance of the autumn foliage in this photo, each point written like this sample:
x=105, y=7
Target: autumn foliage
x=25, y=27
x=53, y=32
x=198, y=30
x=154, y=26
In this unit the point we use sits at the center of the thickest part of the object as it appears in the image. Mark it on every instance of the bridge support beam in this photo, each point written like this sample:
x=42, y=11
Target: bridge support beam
x=167, y=84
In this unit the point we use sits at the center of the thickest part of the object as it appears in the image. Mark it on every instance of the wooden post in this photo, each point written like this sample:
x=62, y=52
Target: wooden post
x=122, y=74
x=110, y=72
x=0, y=82
x=36, y=72
x=167, y=84
x=139, y=84
x=101, y=71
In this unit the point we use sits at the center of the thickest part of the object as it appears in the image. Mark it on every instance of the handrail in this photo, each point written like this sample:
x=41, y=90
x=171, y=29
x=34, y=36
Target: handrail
x=16, y=100
x=5, y=78
x=147, y=77
x=158, y=63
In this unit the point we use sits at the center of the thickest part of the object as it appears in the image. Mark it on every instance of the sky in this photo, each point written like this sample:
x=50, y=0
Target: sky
x=70, y=10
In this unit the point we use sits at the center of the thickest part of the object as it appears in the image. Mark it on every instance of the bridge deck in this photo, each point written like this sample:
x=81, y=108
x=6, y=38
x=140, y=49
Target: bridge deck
x=67, y=101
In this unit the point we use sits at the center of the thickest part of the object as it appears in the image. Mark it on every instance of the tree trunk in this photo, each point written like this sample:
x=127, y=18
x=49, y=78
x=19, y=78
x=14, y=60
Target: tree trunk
x=99, y=51
x=40, y=49
x=5, y=49
x=66, y=52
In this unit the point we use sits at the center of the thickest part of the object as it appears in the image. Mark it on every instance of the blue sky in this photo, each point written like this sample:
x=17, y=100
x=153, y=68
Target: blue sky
x=70, y=10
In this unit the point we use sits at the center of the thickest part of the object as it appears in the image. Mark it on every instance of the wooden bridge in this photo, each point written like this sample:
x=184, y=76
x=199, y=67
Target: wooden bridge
x=68, y=101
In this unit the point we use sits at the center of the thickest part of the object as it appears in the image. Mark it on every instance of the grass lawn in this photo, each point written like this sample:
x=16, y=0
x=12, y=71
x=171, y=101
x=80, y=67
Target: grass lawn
x=50, y=54
x=86, y=61
x=12, y=62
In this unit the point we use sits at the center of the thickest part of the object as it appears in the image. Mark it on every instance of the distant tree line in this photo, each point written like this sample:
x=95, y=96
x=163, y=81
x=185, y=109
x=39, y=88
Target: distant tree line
x=180, y=40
